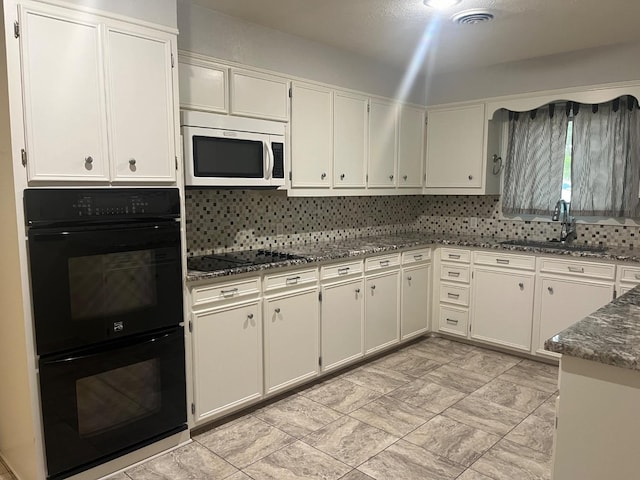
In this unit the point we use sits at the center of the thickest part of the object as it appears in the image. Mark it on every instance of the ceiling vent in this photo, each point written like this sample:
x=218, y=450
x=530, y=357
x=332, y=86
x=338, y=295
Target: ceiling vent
x=471, y=17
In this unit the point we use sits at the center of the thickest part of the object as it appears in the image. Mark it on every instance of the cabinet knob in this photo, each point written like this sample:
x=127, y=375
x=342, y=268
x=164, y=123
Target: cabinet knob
x=323, y=176
x=405, y=178
x=470, y=177
x=277, y=310
x=250, y=316
x=521, y=285
x=391, y=177
x=88, y=162
x=132, y=163
x=550, y=290
x=342, y=176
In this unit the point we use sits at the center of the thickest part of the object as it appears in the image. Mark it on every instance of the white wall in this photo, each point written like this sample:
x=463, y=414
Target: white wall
x=217, y=35
x=585, y=67
x=162, y=12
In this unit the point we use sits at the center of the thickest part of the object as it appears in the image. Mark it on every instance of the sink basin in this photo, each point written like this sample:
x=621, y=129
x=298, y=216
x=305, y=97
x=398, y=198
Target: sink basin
x=556, y=245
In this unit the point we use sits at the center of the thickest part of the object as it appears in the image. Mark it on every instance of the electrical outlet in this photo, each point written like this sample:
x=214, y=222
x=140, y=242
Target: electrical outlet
x=473, y=222
x=279, y=229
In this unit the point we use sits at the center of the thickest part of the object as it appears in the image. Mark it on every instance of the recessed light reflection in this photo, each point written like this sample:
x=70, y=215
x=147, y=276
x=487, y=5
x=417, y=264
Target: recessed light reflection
x=441, y=4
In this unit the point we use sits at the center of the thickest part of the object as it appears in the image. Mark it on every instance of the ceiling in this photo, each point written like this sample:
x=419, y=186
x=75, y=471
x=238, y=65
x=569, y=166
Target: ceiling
x=391, y=30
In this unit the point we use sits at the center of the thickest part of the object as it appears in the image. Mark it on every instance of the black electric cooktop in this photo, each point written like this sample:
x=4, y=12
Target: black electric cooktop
x=223, y=261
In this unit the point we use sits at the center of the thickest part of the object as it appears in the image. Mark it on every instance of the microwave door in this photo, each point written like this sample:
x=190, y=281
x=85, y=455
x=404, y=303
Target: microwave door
x=268, y=155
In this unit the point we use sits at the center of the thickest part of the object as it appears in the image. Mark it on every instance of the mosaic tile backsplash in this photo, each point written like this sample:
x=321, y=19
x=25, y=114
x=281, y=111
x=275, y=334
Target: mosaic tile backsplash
x=230, y=220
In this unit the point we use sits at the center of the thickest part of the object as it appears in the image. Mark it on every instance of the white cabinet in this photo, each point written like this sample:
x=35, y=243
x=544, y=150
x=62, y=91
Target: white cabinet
x=627, y=278
x=383, y=137
x=567, y=292
x=452, y=290
x=291, y=338
x=414, y=311
x=258, y=95
x=342, y=310
x=142, y=131
x=227, y=353
x=203, y=86
x=75, y=133
x=350, y=139
x=410, y=146
x=311, y=135
x=382, y=305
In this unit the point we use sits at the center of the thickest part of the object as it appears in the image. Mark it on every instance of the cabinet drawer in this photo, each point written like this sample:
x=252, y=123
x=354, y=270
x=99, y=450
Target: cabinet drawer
x=454, y=273
x=290, y=279
x=457, y=294
x=582, y=269
x=524, y=262
x=629, y=274
x=414, y=256
x=454, y=320
x=455, y=255
x=225, y=291
x=341, y=270
x=383, y=261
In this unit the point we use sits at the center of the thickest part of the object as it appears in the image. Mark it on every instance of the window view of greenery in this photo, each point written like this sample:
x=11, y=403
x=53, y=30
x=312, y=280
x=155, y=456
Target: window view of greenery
x=566, y=173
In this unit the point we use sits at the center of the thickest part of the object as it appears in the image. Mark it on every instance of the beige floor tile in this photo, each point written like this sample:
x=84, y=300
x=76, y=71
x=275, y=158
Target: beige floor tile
x=341, y=395
x=408, y=364
x=547, y=409
x=428, y=395
x=487, y=416
x=534, y=432
x=378, y=379
x=356, y=475
x=540, y=376
x=509, y=461
x=486, y=362
x=471, y=475
x=453, y=377
x=392, y=415
x=511, y=395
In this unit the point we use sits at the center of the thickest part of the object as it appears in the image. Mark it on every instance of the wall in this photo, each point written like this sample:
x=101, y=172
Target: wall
x=162, y=12
x=217, y=35
x=230, y=220
x=594, y=66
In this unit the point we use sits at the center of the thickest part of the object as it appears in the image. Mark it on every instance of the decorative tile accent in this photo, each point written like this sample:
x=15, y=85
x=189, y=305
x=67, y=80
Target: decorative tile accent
x=230, y=220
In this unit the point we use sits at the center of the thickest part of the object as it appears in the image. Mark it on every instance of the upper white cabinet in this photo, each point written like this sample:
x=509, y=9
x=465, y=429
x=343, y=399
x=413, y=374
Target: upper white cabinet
x=350, y=139
x=383, y=137
x=311, y=135
x=410, y=146
x=258, y=95
x=98, y=98
x=203, y=86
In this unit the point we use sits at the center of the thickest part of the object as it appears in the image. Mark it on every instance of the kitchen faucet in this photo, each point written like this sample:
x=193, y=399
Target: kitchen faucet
x=568, y=223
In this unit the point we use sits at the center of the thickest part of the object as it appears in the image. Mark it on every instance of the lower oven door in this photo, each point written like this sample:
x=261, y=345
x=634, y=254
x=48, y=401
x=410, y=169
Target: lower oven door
x=101, y=403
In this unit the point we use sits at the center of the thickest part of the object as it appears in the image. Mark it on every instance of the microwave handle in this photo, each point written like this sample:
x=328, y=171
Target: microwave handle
x=268, y=160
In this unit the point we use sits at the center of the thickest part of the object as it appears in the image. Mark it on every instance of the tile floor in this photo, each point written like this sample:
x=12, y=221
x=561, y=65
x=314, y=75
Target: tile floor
x=434, y=410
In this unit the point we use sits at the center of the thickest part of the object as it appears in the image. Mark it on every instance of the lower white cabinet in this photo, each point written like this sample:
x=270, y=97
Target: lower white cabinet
x=342, y=311
x=414, y=311
x=381, y=310
x=227, y=353
x=502, y=308
x=291, y=340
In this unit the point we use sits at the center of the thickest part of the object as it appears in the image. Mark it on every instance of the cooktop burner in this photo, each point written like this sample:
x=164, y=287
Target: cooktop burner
x=223, y=261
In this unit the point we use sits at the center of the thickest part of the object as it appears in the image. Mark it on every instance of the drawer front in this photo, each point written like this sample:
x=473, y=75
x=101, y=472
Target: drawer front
x=341, y=270
x=629, y=274
x=455, y=255
x=524, y=262
x=581, y=269
x=456, y=294
x=290, y=279
x=383, y=261
x=415, y=256
x=225, y=291
x=455, y=273
x=454, y=320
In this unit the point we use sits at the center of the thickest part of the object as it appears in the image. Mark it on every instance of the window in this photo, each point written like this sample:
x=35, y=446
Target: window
x=566, y=170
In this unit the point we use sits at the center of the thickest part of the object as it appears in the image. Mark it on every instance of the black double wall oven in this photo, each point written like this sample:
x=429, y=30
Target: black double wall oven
x=106, y=282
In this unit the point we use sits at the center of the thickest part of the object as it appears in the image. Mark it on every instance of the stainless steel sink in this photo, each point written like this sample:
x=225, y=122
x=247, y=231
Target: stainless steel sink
x=556, y=245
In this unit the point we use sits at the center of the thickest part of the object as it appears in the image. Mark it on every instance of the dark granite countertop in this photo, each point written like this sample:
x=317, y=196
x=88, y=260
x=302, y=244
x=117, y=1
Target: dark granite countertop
x=610, y=335
x=361, y=246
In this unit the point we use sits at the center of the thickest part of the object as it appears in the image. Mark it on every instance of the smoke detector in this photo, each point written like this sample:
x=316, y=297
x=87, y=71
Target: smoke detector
x=472, y=17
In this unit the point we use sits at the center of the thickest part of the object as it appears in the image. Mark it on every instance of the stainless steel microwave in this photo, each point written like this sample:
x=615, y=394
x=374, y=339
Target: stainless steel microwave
x=225, y=151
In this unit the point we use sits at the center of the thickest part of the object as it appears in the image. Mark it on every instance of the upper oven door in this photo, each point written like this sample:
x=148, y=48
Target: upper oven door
x=217, y=157
x=97, y=283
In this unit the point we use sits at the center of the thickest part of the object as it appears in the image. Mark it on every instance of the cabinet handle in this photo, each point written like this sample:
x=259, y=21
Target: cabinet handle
x=88, y=160
x=132, y=162
x=384, y=263
x=342, y=176
x=521, y=285
x=576, y=269
x=344, y=270
x=277, y=310
x=231, y=292
x=391, y=177
x=470, y=177
x=323, y=176
x=453, y=274
x=409, y=278
x=417, y=257
x=292, y=280
x=405, y=178
x=452, y=321
x=453, y=295
x=357, y=290
x=502, y=261
x=250, y=316
x=373, y=287
x=550, y=290
x=454, y=256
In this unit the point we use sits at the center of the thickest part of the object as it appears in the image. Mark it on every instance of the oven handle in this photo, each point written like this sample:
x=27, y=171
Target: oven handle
x=57, y=232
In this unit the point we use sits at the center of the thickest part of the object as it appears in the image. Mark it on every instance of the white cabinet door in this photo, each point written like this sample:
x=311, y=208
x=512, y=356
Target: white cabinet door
x=227, y=358
x=410, y=146
x=502, y=310
x=291, y=338
x=311, y=135
x=563, y=302
x=350, y=130
x=142, y=130
x=342, y=322
x=383, y=133
x=203, y=87
x=455, y=147
x=414, y=311
x=381, y=328
x=65, y=117
x=262, y=96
